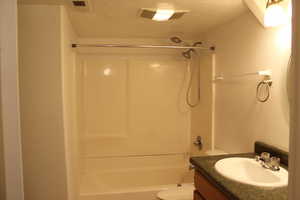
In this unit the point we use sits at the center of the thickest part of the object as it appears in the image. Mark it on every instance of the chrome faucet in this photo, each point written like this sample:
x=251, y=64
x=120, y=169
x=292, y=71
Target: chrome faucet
x=268, y=162
x=199, y=142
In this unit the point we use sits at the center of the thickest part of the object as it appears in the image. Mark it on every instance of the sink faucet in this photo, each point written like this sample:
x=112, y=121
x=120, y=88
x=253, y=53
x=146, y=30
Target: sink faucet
x=266, y=161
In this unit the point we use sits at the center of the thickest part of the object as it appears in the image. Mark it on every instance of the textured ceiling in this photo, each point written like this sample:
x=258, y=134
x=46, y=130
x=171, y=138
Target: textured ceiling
x=119, y=18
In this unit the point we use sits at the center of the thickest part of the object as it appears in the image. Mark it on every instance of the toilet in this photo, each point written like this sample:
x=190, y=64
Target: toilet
x=186, y=191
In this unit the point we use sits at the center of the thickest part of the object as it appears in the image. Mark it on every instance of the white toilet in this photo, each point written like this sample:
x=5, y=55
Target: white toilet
x=186, y=191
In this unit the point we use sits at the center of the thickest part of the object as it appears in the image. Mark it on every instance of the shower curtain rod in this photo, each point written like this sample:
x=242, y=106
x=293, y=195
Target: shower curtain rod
x=142, y=155
x=143, y=46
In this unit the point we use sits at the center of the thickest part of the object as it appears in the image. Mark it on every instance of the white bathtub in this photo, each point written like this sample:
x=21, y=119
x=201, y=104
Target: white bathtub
x=137, y=193
x=138, y=178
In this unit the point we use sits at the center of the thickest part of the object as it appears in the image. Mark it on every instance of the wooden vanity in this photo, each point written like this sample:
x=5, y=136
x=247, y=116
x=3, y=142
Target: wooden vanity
x=205, y=190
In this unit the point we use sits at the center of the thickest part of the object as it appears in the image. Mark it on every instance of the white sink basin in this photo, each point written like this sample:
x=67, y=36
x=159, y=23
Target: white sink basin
x=249, y=171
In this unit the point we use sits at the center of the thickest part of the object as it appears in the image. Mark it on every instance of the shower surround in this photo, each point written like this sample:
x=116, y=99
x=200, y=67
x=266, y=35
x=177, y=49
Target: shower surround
x=134, y=125
x=133, y=122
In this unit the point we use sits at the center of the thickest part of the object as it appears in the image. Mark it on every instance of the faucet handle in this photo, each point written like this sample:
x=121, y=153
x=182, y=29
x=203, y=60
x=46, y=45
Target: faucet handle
x=265, y=156
x=275, y=163
x=257, y=158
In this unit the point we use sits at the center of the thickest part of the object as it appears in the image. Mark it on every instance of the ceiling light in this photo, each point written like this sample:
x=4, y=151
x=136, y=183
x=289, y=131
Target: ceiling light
x=107, y=72
x=163, y=15
x=274, y=15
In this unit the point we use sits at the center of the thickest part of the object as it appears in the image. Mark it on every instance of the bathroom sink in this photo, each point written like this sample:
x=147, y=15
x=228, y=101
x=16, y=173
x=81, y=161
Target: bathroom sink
x=249, y=171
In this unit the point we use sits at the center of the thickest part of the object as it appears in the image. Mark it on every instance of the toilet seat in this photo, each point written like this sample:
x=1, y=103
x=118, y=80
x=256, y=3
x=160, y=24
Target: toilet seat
x=184, y=192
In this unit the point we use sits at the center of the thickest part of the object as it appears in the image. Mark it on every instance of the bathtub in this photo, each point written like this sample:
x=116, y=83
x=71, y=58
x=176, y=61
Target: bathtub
x=138, y=193
x=139, y=178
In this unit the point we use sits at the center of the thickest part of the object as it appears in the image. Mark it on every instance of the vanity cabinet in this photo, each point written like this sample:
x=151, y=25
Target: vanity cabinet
x=205, y=190
x=197, y=196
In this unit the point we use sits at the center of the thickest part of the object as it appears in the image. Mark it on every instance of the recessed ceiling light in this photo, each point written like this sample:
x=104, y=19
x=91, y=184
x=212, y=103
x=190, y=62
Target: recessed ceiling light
x=163, y=15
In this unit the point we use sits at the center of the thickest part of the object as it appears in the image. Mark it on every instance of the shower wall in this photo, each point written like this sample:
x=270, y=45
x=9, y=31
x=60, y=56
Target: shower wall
x=132, y=104
x=202, y=115
x=134, y=124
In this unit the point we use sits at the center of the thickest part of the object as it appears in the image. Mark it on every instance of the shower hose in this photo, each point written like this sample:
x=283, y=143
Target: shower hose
x=191, y=71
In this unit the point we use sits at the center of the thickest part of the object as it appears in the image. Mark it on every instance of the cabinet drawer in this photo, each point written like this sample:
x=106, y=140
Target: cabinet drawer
x=206, y=189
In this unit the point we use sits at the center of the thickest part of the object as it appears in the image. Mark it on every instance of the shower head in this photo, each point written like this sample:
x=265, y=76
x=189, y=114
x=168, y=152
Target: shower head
x=197, y=43
x=187, y=54
x=176, y=39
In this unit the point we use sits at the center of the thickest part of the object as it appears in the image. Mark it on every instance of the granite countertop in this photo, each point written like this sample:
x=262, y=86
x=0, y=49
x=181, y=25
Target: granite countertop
x=234, y=190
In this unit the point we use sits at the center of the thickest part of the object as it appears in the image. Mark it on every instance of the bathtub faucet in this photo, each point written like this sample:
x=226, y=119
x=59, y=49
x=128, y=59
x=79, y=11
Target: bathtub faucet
x=199, y=142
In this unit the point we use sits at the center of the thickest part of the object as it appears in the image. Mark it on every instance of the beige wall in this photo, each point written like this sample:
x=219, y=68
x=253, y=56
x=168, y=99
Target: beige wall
x=243, y=46
x=10, y=101
x=41, y=102
x=69, y=104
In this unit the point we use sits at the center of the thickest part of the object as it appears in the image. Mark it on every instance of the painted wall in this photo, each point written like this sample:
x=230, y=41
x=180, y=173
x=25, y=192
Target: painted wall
x=44, y=58
x=68, y=37
x=244, y=46
x=10, y=100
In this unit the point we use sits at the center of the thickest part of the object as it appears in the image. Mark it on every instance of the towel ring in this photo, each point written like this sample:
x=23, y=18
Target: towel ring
x=261, y=84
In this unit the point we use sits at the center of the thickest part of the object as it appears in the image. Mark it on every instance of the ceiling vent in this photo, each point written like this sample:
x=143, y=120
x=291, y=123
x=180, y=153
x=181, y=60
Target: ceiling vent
x=80, y=5
x=162, y=14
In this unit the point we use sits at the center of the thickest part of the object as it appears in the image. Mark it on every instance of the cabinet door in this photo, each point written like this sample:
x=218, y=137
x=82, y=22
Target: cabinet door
x=197, y=196
x=206, y=189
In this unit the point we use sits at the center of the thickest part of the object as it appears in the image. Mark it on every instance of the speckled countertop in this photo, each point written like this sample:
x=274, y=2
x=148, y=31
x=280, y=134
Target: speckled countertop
x=234, y=190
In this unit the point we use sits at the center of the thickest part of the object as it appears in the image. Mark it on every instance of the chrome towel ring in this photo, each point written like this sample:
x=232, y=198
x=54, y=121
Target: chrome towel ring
x=266, y=85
